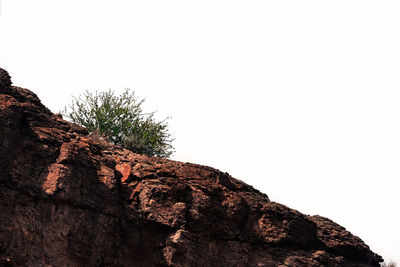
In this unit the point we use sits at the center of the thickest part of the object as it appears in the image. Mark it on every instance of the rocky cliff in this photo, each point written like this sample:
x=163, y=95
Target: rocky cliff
x=71, y=199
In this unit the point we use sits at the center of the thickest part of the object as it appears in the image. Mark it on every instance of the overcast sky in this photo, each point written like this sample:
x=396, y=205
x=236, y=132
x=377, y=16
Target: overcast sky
x=298, y=98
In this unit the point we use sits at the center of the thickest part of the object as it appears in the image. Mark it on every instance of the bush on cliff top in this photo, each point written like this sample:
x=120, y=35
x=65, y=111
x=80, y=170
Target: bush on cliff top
x=120, y=120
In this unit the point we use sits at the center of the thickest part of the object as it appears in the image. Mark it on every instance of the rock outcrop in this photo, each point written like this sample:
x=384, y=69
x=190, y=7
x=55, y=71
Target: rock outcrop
x=71, y=199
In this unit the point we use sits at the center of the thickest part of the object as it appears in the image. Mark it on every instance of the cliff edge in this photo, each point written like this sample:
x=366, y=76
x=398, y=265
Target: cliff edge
x=71, y=199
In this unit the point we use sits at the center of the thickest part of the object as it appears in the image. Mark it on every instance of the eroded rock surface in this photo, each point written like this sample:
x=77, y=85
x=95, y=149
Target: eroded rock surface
x=71, y=199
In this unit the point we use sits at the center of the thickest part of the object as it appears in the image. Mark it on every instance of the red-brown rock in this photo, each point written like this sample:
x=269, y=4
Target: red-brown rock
x=71, y=199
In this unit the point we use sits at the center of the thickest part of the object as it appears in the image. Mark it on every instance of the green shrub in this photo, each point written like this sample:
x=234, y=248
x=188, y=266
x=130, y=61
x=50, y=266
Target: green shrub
x=120, y=120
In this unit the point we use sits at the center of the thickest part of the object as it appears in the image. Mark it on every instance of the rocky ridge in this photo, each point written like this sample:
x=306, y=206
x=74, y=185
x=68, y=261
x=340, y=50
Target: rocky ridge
x=71, y=199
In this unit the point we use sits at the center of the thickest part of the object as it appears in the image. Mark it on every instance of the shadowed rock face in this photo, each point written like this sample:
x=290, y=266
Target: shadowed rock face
x=70, y=199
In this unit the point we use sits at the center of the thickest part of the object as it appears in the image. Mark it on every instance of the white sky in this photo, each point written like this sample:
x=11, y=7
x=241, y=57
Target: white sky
x=298, y=98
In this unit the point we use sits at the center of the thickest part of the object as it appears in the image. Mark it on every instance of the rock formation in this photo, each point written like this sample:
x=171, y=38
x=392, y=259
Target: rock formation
x=72, y=199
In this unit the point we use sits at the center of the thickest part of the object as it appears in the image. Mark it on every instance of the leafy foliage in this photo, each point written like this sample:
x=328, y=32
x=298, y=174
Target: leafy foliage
x=120, y=120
